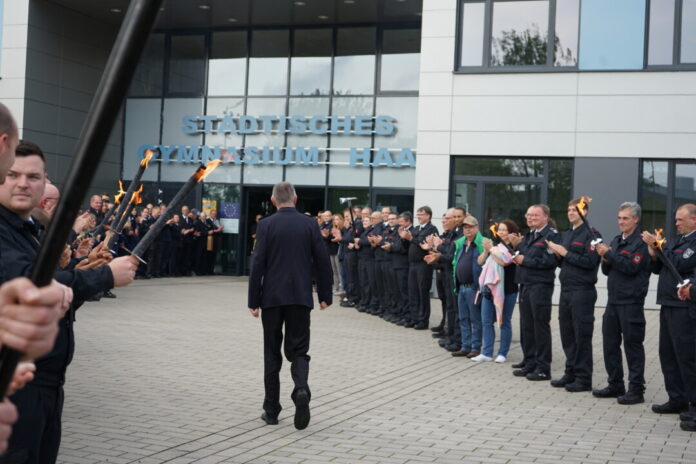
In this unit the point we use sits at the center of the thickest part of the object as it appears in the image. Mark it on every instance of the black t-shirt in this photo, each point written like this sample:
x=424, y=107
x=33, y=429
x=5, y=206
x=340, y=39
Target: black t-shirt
x=465, y=265
x=509, y=275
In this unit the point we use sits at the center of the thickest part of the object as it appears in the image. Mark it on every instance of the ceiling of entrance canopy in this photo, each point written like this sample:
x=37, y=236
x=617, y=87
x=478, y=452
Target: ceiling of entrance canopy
x=181, y=14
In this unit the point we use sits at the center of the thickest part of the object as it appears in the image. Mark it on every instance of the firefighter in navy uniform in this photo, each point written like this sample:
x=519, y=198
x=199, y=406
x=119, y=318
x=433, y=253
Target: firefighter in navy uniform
x=536, y=273
x=677, y=326
x=420, y=274
x=627, y=266
x=391, y=287
x=350, y=260
x=401, y=268
x=376, y=239
x=579, y=266
x=369, y=301
x=688, y=294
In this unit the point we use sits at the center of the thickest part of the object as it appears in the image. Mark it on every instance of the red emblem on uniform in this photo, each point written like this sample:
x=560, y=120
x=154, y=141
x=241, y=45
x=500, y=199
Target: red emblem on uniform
x=637, y=258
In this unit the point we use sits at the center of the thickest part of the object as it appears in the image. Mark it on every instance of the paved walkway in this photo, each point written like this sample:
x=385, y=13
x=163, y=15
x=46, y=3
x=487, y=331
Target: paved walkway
x=171, y=371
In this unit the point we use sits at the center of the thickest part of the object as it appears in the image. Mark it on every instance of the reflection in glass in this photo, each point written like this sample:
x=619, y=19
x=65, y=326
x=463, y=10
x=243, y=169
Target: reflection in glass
x=221, y=107
x=472, y=34
x=340, y=172
x=147, y=80
x=268, y=65
x=688, y=32
x=684, y=183
x=661, y=35
x=560, y=190
x=335, y=194
x=142, y=126
x=307, y=174
x=508, y=201
x=187, y=64
x=405, y=112
x=311, y=62
x=227, y=256
x=397, y=202
x=465, y=196
x=653, y=194
x=566, y=44
x=520, y=33
x=174, y=109
x=264, y=173
x=227, y=65
x=489, y=166
x=612, y=34
x=354, y=64
x=400, y=59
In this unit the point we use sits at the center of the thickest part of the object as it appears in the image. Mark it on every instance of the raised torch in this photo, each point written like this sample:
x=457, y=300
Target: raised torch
x=99, y=123
x=666, y=262
x=126, y=200
x=200, y=174
x=580, y=207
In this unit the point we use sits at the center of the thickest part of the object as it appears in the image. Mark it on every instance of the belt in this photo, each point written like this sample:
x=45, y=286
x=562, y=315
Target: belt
x=466, y=285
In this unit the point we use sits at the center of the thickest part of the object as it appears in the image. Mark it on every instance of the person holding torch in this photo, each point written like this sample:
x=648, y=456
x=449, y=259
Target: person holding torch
x=677, y=324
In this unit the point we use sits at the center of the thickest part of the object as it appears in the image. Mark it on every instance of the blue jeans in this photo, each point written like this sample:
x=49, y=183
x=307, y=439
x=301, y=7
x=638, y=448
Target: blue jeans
x=489, y=319
x=469, y=319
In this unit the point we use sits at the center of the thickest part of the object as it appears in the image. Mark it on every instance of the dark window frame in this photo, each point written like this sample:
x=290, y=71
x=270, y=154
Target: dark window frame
x=549, y=67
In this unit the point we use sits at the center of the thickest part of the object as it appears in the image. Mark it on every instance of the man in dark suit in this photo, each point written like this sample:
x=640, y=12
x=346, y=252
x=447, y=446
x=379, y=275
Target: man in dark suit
x=289, y=252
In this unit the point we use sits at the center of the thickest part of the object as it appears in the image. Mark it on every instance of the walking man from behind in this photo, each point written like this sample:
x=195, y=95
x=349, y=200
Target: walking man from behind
x=289, y=247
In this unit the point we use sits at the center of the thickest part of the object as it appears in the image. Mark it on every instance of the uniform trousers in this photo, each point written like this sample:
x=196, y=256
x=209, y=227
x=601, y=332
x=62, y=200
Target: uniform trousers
x=386, y=273
x=353, y=276
x=441, y=294
x=576, y=323
x=36, y=434
x=378, y=287
x=296, y=345
x=535, y=318
x=402, y=302
x=364, y=279
x=372, y=282
x=625, y=321
x=678, y=353
x=420, y=279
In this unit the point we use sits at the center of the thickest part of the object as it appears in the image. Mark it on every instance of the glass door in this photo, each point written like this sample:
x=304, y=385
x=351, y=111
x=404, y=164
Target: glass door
x=508, y=201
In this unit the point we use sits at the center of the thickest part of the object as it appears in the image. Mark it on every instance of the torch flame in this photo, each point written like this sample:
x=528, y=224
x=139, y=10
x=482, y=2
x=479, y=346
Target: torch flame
x=202, y=172
x=582, y=204
x=494, y=229
x=148, y=156
x=660, y=240
x=137, y=199
x=119, y=195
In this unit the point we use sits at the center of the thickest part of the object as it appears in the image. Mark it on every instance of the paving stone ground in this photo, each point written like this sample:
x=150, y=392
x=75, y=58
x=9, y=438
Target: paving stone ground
x=171, y=372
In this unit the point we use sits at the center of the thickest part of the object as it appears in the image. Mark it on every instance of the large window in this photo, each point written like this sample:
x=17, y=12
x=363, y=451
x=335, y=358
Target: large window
x=665, y=185
x=494, y=189
x=572, y=35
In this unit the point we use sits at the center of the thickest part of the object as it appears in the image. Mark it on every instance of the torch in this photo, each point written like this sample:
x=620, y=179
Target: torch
x=669, y=264
x=114, y=231
x=117, y=201
x=131, y=189
x=582, y=205
x=494, y=229
x=99, y=123
x=200, y=174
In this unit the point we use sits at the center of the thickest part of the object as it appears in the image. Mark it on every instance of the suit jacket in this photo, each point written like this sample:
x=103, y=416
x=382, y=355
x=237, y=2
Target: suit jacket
x=289, y=252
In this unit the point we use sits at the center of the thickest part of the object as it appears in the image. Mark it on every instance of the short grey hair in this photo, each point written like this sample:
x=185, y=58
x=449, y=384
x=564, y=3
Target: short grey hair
x=283, y=192
x=633, y=206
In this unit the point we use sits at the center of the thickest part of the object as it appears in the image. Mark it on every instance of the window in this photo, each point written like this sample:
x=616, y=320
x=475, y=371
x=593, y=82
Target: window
x=268, y=65
x=311, y=62
x=148, y=77
x=187, y=65
x=227, y=64
x=400, y=67
x=354, y=64
x=665, y=185
x=575, y=35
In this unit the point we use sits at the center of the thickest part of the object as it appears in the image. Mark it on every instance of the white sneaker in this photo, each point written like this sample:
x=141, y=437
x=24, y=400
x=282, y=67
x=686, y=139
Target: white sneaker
x=481, y=358
x=500, y=359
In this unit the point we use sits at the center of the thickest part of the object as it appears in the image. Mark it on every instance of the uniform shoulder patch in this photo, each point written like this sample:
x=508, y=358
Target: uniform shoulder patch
x=637, y=258
x=553, y=230
x=688, y=253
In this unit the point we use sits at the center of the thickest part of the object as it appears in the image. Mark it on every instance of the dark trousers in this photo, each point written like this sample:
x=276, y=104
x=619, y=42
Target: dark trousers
x=576, y=323
x=627, y=322
x=296, y=346
x=678, y=354
x=378, y=299
x=353, y=276
x=173, y=261
x=441, y=294
x=373, y=302
x=36, y=434
x=153, y=259
x=535, y=317
x=452, y=329
x=364, y=278
x=387, y=275
x=401, y=281
x=165, y=252
x=185, y=257
x=420, y=277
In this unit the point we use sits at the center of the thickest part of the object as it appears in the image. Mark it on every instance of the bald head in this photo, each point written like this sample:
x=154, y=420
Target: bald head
x=9, y=139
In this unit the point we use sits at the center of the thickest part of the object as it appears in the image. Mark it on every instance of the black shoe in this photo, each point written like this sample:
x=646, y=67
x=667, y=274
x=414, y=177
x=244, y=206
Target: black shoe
x=443, y=342
x=360, y=309
x=409, y=324
x=688, y=416
x=437, y=328
x=268, y=419
x=670, y=407
x=688, y=426
x=438, y=335
x=453, y=347
x=521, y=372
x=519, y=365
x=631, y=397
x=301, y=409
x=420, y=326
x=609, y=392
x=460, y=354
x=538, y=376
x=563, y=381
x=108, y=294
x=401, y=322
x=576, y=387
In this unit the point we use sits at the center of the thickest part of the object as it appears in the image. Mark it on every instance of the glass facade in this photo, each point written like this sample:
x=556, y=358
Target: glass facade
x=665, y=185
x=572, y=35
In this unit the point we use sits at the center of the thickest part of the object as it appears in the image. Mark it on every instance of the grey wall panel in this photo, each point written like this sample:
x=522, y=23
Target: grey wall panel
x=609, y=181
x=65, y=61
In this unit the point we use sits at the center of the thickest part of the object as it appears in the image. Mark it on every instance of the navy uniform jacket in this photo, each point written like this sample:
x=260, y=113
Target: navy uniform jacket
x=446, y=250
x=580, y=265
x=539, y=266
x=366, y=251
x=378, y=230
x=682, y=253
x=399, y=250
x=627, y=266
x=419, y=233
x=288, y=249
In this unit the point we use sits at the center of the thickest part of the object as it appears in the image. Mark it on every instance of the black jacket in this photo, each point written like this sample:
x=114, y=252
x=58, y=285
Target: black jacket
x=366, y=251
x=580, y=265
x=378, y=230
x=399, y=250
x=415, y=252
x=446, y=250
x=289, y=251
x=627, y=266
x=539, y=266
x=682, y=253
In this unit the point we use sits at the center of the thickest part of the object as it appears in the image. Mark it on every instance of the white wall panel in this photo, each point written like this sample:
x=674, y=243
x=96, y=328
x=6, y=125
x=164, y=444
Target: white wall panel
x=436, y=83
x=515, y=84
x=434, y=113
x=637, y=83
x=637, y=145
x=436, y=143
x=436, y=199
x=431, y=172
x=437, y=54
x=513, y=143
x=439, y=5
x=438, y=23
